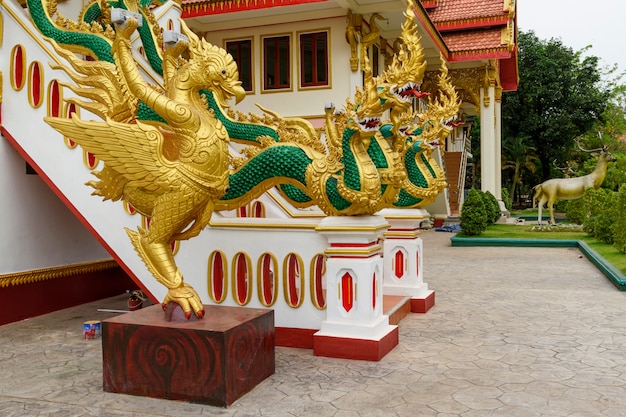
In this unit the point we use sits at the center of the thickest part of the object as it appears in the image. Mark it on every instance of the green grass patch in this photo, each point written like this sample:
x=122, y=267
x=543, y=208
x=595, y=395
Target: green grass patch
x=509, y=231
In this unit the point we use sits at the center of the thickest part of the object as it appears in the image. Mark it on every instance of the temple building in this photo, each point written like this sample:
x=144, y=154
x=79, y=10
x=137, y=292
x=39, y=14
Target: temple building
x=294, y=57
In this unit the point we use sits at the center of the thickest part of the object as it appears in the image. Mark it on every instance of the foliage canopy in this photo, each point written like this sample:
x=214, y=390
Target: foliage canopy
x=560, y=96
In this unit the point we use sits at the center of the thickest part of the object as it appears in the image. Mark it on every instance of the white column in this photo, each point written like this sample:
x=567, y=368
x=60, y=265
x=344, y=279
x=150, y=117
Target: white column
x=355, y=326
x=488, y=146
x=354, y=278
x=403, y=258
x=498, y=143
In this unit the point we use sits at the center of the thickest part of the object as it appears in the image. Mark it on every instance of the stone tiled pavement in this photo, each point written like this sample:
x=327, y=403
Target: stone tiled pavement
x=514, y=332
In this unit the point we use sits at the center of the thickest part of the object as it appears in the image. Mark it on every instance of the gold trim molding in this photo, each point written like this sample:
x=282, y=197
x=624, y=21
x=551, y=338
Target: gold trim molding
x=45, y=274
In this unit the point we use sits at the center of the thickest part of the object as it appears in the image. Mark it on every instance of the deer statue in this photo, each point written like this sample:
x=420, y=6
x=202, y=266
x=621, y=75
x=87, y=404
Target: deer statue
x=571, y=188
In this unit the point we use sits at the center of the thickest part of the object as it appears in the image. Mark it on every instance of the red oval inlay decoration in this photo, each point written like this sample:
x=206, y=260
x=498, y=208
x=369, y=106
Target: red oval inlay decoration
x=18, y=67
x=35, y=84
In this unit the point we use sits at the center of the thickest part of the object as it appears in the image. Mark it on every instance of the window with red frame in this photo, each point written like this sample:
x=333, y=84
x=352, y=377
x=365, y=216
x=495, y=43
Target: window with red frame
x=241, y=50
x=276, y=57
x=314, y=59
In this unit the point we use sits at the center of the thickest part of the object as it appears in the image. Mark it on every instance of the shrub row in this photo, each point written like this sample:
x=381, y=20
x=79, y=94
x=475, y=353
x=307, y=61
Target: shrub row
x=602, y=213
x=480, y=209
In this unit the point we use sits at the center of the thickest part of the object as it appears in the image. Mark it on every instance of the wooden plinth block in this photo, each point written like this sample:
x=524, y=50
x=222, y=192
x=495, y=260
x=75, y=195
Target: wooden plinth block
x=214, y=361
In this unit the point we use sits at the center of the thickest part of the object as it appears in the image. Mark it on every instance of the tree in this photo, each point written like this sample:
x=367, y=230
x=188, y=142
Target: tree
x=560, y=95
x=518, y=157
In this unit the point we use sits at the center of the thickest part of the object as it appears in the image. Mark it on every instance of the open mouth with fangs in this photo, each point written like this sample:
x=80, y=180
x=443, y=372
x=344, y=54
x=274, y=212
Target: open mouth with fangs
x=452, y=122
x=369, y=124
x=409, y=91
x=405, y=130
x=434, y=144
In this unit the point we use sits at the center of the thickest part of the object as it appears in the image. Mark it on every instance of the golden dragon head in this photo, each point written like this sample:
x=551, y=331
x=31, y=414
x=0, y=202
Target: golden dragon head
x=401, y=81
x=213, y=68
x=441, y=115
x=410, y=134
x=363, y=116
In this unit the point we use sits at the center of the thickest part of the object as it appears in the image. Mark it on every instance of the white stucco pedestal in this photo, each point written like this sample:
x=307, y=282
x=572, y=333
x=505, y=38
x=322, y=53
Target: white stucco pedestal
x=355, y=326
x=403, y=258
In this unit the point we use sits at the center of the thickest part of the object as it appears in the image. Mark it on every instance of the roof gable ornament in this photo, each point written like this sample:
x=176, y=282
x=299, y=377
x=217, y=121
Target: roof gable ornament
x=409, y=61
x=360, y=40
x=353, y=35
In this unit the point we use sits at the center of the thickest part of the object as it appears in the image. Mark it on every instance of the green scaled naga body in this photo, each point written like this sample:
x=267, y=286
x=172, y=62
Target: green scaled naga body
x=165, y=147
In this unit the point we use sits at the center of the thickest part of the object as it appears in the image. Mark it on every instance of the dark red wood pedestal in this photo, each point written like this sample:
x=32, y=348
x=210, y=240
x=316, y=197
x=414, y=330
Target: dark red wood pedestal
x=213, y=361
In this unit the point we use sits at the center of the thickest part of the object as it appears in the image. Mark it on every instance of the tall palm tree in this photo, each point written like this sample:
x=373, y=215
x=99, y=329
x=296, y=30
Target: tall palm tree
x=520, y=157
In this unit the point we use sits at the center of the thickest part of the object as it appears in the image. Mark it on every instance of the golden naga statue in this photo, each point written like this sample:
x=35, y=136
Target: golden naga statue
x=173, y=172
x=165, y=149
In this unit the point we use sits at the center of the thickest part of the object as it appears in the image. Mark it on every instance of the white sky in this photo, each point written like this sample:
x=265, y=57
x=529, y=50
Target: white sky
x=578, y=23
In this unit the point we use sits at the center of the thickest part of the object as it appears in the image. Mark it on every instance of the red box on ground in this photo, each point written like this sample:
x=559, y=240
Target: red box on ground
x=213, y=361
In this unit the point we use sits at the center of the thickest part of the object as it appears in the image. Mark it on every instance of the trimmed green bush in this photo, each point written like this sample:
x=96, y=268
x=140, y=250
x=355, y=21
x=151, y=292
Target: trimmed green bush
x=506, y=198
x=605, y=220
x=559, y=206
x=594, y=204
x=575, y=210
x=492, y=207
x=619, y=229
x=473, y=214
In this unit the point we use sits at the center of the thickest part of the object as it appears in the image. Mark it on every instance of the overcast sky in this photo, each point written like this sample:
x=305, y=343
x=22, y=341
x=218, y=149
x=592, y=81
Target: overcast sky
x=578, y=23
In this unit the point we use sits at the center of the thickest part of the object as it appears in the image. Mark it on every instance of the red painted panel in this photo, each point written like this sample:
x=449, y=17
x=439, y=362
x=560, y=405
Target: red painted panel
x=399, y=264
x=293, y=280
x=18, y=67
x=66, y=291
x=55, y=99
x=35, y=84
x=374, y=291
x=422, y=305
x=258, y=209
x=347, y=293
x=241, y=278
x=217, y=276
x=318, y=281
x=267, y=280
x=294, y=337
x=349, y=348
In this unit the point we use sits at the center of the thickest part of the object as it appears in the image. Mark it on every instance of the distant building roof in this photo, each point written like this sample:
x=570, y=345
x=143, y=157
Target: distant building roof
x=478, y=29
x=467, y=12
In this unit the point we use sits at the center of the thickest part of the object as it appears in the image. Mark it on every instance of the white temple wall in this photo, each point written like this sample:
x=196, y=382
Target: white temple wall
x=38, y=231
x=296, y=102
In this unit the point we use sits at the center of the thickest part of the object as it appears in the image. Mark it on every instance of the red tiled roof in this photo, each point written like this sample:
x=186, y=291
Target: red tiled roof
x=194, y=8
x=459, y=10
x=476, y=44
x=473, y=39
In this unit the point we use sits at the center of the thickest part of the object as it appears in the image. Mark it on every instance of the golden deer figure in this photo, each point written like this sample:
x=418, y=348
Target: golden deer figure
x=571, y=188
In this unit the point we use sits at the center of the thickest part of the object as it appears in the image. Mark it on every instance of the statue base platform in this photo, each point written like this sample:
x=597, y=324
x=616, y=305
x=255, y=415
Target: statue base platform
x=213, y=361
x=355, y=348
x=422, y=305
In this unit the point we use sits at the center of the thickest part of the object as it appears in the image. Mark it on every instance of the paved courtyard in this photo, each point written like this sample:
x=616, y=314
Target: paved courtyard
x=514, y=332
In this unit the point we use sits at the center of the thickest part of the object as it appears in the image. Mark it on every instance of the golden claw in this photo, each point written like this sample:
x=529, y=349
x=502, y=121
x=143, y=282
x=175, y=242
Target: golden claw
x=187, y=298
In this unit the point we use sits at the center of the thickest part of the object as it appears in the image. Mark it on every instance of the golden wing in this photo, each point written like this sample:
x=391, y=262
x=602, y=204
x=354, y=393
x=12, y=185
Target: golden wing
x=135, y=151
x=101, y=84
